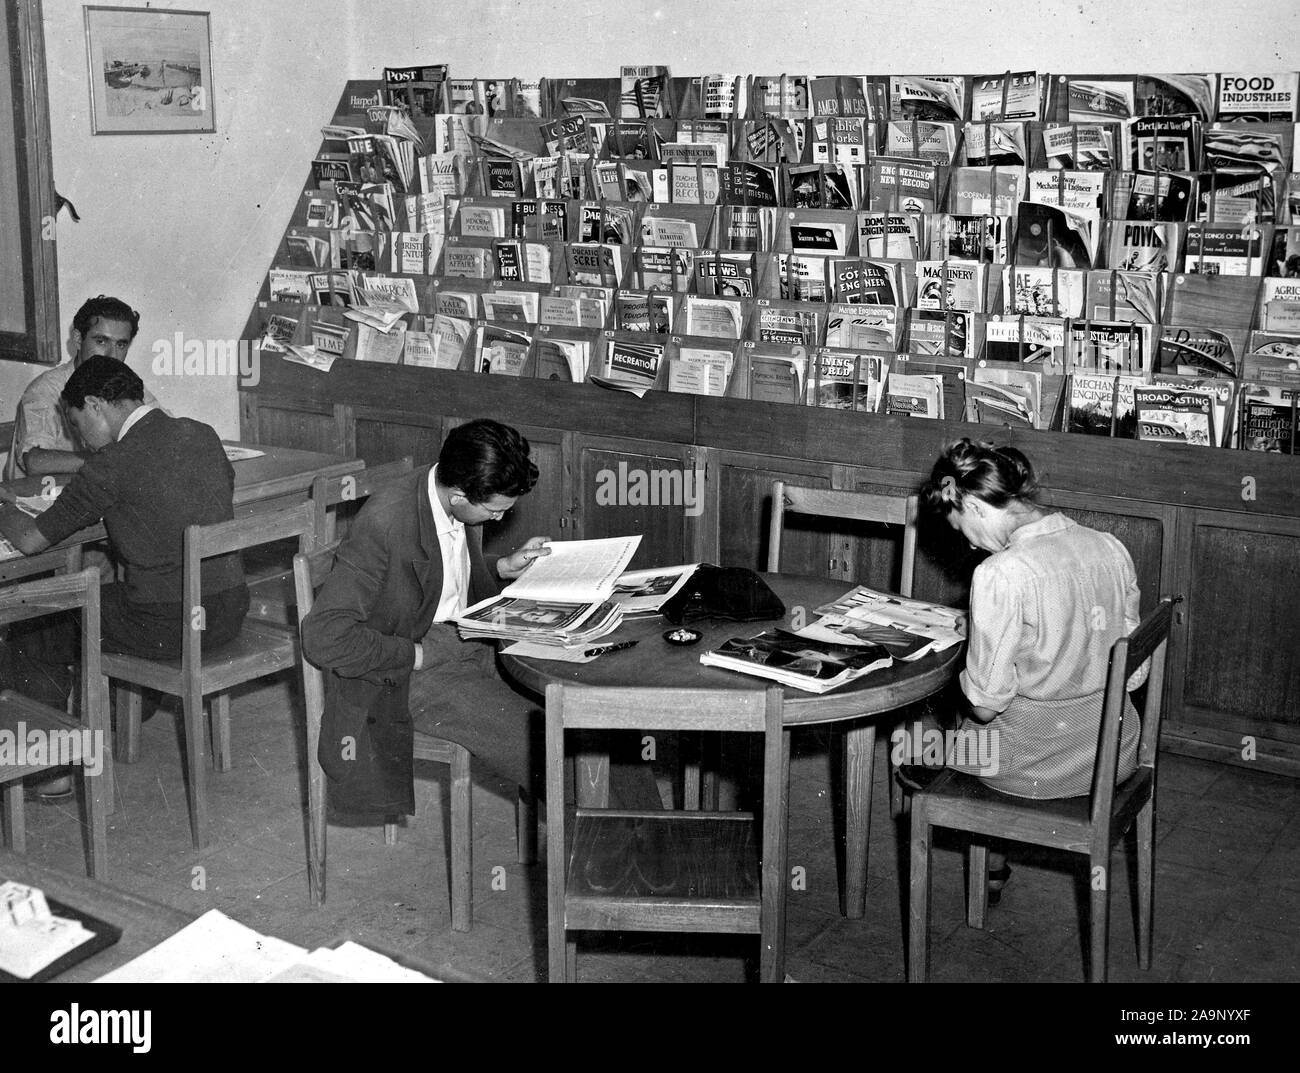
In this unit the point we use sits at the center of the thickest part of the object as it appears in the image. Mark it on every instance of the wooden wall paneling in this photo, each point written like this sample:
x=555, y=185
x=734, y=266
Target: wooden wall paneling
x=745, y=513
x=703, y=531
x=250, y=430
x=1241, y=677
x=288, y=423
x=627, y=486
x=345, y=426
x=1178, y=475
x=381, y=436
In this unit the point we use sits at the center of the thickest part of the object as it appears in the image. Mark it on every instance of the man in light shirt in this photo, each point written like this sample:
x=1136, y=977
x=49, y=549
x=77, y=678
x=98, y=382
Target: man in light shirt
x=381, y=626
x=148, y=476
x=43, y=441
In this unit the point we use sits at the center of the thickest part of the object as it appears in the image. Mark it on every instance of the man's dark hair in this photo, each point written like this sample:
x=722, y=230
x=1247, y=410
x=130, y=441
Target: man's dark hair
x=106, y=378
x=105, y=308
x=485, y=458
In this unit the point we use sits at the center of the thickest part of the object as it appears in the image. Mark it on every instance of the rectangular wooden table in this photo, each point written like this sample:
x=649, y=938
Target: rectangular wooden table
x=280, y=477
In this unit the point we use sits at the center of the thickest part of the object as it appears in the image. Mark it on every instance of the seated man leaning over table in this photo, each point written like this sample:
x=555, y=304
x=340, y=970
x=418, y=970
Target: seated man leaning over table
x=43, y=441
x=148, y=476
x=381, y=627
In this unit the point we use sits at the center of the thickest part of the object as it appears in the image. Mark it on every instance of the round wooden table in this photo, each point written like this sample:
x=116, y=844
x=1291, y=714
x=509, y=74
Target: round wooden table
x=654, y=662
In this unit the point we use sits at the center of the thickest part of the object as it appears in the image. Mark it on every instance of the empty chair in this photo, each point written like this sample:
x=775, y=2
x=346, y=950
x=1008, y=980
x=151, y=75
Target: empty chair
x=1089, y=825
x=261, y=649
x=859, y=740
x=654, y=870
x=29, y=721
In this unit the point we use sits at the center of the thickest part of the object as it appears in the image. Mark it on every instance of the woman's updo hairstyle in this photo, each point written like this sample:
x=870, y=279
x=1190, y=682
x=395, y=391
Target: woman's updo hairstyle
x=996, y=475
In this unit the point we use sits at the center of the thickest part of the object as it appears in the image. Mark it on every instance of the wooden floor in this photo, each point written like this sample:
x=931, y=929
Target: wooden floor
x=1227, y=877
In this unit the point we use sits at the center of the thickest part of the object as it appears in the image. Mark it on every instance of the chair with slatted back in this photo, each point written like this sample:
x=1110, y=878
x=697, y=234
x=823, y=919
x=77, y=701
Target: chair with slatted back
x=309, y=573
x=270, y=589
x=20, y=716
x=261, y=649
x=328, y=493
x=860, y=740
x=1089, y=825
x=668, y=871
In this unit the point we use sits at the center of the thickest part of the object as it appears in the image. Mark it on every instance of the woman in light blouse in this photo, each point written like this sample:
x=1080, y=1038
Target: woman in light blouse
x=1045, y=608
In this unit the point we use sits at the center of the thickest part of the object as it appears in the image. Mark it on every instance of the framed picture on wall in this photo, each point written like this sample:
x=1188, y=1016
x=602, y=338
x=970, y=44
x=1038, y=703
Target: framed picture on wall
x=150, y=71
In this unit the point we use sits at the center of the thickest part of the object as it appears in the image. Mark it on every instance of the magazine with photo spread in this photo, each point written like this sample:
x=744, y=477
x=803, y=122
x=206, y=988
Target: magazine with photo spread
x=811, y=665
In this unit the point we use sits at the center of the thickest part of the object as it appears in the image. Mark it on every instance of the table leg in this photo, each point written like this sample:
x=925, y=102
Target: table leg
x=859, y=760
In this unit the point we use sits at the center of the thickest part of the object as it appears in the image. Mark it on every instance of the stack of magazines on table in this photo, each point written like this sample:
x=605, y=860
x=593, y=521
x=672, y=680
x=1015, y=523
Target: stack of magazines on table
x=574, y=596
x=861, y=632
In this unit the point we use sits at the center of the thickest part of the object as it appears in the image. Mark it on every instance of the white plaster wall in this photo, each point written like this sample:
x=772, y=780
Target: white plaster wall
x=183, y=226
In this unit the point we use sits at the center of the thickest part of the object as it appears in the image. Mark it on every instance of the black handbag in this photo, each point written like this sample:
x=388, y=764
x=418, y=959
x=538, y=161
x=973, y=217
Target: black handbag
x=731, y=593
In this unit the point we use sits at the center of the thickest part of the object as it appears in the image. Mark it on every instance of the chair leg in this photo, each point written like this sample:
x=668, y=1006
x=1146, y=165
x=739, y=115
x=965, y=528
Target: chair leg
x=1098, y=916
x=196, y=765
x=859, y=759
x=316, y=833
x=526, y=827
x=1146, y=834
x=129, y=700
x=220, y=719
x=918, y=904
x=390, y=833
x=96, y=810
x=15, y=829
x=977, y=884
x=462, y=867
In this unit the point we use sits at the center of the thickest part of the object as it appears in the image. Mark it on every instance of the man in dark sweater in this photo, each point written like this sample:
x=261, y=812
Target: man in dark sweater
x=149, y=476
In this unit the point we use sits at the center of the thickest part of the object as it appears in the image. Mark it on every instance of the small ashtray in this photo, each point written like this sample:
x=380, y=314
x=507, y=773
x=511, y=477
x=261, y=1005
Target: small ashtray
x=682, y=636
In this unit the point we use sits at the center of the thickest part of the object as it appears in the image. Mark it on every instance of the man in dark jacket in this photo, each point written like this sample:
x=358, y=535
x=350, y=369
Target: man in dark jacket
x=381, y=626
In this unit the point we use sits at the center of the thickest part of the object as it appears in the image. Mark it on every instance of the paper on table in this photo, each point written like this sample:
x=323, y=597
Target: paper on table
x=31, y=937
x=213, y=949
x=558, y=653
x=576, y=570
x=240, y=454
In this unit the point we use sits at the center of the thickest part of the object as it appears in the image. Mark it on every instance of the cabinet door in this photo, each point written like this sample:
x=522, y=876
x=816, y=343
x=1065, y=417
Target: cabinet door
x=742, y=506
x=638, y=486
x=1241, y=678
x=284, y=424
x=381, y=438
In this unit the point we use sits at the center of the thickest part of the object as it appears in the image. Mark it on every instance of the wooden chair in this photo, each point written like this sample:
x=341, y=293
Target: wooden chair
x=717, y=880
x=860, y=740
x=19, y=715
x=271, y=586
x=309, y=573
x=1085, y=825
x=261, y=649
x=327, y=493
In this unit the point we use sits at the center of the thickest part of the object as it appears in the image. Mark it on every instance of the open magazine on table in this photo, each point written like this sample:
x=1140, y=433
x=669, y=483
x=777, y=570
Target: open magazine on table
x=565, y=598
x=792, y=660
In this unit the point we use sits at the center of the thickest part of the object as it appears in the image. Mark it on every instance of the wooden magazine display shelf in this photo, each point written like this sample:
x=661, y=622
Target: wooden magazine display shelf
x=1220, y=526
